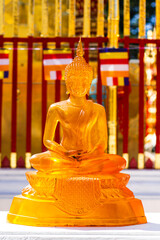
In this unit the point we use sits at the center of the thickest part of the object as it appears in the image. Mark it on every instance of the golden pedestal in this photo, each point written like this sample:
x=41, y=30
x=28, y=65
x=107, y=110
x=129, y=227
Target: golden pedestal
x=76, y=201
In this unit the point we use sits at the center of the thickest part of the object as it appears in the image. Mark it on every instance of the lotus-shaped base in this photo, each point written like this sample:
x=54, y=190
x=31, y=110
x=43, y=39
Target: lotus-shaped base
x=76, y=201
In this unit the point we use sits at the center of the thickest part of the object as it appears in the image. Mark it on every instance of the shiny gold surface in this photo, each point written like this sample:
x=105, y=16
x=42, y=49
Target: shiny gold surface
x=157, y=161
x=2, y=17
x=100, y=18
x=27, y=162
x=15, y=18
x=58, y=17
x=44, y=18
x=126, y=18
x=72, y=18
x=157, y=19
x=140, y=160
x=23, y=21
x=113, y=23
x=142, y=18
x=13, y=160
x=87, y=18
x=31, y=17
x=112, y=120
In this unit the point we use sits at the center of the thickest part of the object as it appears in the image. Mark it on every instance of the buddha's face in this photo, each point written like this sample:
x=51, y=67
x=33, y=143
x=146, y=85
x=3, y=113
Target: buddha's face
x=78, y=76
x=78, y=85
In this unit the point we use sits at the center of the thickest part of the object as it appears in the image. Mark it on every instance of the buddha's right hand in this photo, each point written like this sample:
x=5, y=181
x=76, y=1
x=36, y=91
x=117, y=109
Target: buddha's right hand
x=54, y=146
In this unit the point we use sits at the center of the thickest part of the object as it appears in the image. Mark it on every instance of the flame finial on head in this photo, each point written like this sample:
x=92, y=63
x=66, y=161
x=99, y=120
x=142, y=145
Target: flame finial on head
x=80, y=51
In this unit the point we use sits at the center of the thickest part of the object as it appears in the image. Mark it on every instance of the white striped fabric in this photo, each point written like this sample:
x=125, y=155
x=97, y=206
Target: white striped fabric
x=116, y=67
x=53, y=75
x=4, y=61
x=57, y=61
x=109, y=81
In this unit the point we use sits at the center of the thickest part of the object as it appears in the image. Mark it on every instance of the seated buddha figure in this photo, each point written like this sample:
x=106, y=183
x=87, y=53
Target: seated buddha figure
x=84, y=142
x=76, y=183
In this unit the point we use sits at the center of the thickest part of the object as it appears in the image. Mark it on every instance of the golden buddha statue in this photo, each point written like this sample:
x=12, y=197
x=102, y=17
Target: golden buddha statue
x=77, y=183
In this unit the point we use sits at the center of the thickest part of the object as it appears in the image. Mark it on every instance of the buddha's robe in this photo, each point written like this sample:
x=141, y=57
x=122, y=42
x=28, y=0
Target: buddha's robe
x=84, y=141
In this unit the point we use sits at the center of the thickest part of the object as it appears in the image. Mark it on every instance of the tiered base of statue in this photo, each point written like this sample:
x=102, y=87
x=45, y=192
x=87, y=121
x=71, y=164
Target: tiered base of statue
x=76, y=201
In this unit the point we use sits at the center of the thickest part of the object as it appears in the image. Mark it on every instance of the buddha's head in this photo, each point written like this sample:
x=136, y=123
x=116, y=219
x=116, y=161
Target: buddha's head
x=78, y=75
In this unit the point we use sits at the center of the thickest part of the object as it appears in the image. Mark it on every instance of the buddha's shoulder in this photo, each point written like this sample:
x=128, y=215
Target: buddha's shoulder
x=58, y=106
x=97, y=107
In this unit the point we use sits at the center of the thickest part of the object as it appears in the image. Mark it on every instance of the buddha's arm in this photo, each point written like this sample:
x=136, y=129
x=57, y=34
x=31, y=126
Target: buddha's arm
x=50, y=127
x=101, y=144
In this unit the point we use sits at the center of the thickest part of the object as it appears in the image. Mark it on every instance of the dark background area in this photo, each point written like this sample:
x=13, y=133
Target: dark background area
x=134, y=16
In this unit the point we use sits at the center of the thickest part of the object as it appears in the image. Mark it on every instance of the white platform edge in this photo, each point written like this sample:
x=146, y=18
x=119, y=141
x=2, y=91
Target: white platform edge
x=148, y=231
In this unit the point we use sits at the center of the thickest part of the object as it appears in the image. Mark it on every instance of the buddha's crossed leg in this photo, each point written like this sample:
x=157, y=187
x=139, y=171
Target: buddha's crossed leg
x=103, y=163
x=88, y=164
x=52, y=161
